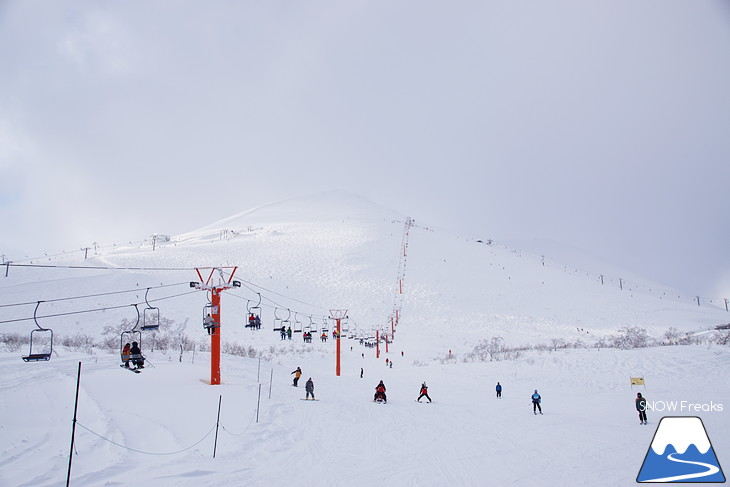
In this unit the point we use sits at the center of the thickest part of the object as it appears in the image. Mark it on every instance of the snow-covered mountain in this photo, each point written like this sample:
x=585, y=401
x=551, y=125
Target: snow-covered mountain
x=304, y=257
x=310, y=255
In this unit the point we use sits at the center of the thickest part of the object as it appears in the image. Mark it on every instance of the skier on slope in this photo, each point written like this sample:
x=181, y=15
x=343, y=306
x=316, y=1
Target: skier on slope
x=424, y=392
x=297, y=374
x=536, y=402
x=499, y=390
x=641, y=407
x=380, y=392
x=309, y=387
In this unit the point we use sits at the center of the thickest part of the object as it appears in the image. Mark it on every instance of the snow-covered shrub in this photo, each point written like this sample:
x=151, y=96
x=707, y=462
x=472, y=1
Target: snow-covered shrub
x=12, y=342
x=80, y=342
x=722, y=338
x=557, y=343
x=630, y=337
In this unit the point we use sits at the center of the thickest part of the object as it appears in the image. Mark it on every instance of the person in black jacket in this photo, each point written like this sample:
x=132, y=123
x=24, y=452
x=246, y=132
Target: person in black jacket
x=641, y=407
x=309, y=387
x=136, y=356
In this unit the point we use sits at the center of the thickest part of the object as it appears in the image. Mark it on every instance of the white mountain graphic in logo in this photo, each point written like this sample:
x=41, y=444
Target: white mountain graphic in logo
x=680, y=452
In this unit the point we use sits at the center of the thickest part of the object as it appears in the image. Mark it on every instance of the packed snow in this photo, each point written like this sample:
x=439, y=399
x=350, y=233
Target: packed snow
x=305, y=257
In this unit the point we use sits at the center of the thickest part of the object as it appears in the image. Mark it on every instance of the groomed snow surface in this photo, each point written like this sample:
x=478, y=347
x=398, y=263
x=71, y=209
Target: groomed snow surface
x=158, y=427
x=589, y=433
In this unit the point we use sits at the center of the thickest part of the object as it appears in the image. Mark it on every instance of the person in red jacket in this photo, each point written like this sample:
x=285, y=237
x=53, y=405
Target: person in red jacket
x=424, y=392
x=380, y=392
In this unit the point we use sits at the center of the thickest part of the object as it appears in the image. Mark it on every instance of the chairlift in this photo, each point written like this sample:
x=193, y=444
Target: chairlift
x=150, y=315
x=311, y=327
x=131, y=336
x=344, y=325
x=277, y=322
x=254, y=315
x=43, y=351
x=297, y=324
x=286, y=323
x=325, y=325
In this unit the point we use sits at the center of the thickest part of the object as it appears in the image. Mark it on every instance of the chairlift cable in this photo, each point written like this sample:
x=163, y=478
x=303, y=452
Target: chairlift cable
x=91, y=295
x=96, y=309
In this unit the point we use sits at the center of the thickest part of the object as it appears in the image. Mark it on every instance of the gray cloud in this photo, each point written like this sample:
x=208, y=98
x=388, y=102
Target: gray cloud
x=600, y=124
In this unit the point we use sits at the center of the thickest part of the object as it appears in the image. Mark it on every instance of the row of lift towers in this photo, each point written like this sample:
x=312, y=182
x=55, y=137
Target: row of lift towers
x=215, y=283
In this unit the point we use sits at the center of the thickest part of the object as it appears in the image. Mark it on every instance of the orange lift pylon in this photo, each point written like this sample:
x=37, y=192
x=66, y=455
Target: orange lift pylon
x=337, y=315
x=215, y=284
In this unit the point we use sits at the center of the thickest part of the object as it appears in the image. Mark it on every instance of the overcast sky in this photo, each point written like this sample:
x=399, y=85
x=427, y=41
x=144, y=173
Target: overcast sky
x=602, y=124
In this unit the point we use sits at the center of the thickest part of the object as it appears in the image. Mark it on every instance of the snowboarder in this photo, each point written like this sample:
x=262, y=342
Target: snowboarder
x=297, y=374
x=126, y=352
x=499, y=390
x=380, y=392
x=641, y=407
x=536, y=403
x=309, y=387
x=208, y=324
x=136, y=356
x=424, y=392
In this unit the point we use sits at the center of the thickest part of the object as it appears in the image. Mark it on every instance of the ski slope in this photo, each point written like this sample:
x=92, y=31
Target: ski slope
x=338, y=251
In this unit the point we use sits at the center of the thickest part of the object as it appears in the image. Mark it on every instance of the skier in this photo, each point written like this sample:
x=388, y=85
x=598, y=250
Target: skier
x=136, y=356
x=536, y=402
x=361, y=372
x=424, y=392
x=309, y=387
x=283, y=333
x=297, y=374
x=641, y=407
x=126, y=352
x=380, y=392
x=499, y=390
x=288, y=333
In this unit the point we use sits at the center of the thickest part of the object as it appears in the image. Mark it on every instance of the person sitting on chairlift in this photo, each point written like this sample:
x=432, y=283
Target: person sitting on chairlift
x=208, y=324
x=136, y=356
x=126, y=352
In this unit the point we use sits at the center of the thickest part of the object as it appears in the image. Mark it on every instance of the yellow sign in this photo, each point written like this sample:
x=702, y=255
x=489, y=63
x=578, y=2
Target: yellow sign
x=637, y=381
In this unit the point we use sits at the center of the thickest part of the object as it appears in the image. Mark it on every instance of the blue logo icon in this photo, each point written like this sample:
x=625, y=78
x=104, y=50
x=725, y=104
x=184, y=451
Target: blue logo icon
x=680, y=452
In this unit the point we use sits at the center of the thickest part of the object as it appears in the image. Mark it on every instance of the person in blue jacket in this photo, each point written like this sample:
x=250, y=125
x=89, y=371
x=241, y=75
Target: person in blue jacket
x=536, y=403
x=499, y=390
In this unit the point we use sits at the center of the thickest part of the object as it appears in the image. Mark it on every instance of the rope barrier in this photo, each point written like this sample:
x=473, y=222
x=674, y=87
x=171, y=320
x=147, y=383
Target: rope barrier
x=146, y=452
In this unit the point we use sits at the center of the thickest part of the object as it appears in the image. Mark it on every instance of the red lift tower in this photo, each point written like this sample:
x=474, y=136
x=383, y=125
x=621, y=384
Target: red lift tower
x=338, y=315
x=215, y=284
